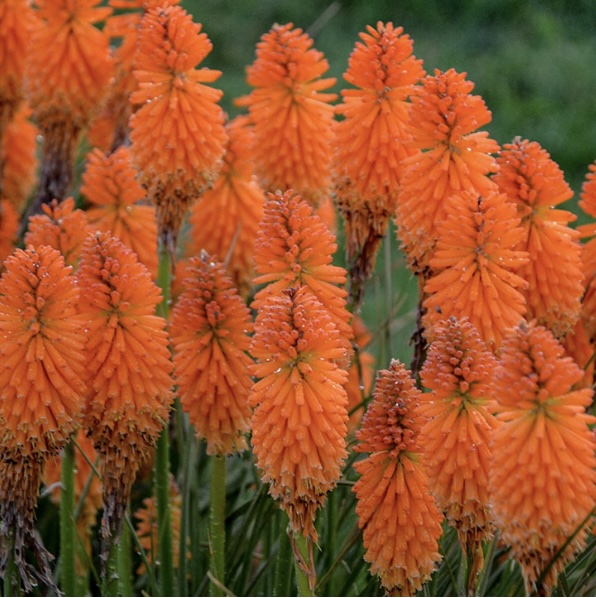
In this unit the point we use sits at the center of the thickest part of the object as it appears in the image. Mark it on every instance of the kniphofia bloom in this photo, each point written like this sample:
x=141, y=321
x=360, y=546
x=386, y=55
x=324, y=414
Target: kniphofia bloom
x=226, y=219
x=369, y=142
x=61, y=226
x=15, y=19
x=291, y=114
x=9, y=226
x=294, y=248
x=451, y=157
x=128, y=359
x=209, y=330
x=458, y=372
x=543, y=473
x=118, y=203
x=476, y=266
x=18, y=158
x=300, y=404
x=42, y=390
x=65, y=87
x=535, y=183
x=399, y=518
x=177, y=132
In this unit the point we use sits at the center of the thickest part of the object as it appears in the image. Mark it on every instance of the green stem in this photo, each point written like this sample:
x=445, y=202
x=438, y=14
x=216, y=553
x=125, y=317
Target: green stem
x=125, y=564
x=217, y=530
x=284, y=563
x=162, y=455
x=109, y=584
x=68, y=532
x=303, y=565
x=11, y=587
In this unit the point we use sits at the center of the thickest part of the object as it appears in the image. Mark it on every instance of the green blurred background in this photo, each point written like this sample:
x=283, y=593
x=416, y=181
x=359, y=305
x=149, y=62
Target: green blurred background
x=533, y=62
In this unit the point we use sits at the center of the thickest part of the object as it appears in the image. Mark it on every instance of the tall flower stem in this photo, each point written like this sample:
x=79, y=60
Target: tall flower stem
x=10, y=575
x=303, y=565
x=217, y=530
x=68, y=535
x=125, y=564
x=162, y=454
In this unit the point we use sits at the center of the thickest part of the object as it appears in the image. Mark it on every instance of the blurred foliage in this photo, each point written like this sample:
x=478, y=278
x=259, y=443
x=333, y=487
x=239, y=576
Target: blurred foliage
x=531, y=60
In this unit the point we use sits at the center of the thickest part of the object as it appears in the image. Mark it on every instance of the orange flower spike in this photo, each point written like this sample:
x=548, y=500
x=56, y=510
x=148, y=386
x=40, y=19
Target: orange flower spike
x=300, y=405
x=60, y=226
x=9, y=226
x=451, y=157
x=458, y=371
x=178, y=134
x=295, y=248
x=128, y=359
x=65, y=87
x=543, y=474
x=15, y=19
x=369, y=141
x=399, y=518
x=476, y=265
x=292, y=116
x=18, y=158
x=226, y=220
x=535, y=183
x=209, y=328
x=110, y=184
x=42, y=387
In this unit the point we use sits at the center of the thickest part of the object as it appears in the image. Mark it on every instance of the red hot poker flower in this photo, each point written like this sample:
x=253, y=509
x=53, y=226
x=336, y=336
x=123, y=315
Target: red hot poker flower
x=110, y=184
x=209, y=328
x=177, y=133
x=535, y=183
x=294, y=248
x=292, y=117
x=300, y=416
x=400, y=520
x=476, y=265
x=128, y=359
x=458, y=371
x=42, y=388
x=60, y=226
x=369, y=141
x=226, y=220
x=543, y=474
x=452, y=157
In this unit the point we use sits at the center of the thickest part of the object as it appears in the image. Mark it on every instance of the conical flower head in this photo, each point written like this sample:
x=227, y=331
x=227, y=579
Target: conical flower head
x=543, y=474
x=400, y=520
x=15, y=19
x=458, y=372
x=18, y=158
x=42, y=388
x=60, y=226
x=110, y=185
x=129, y=362
x=209, y=328
x=9, y=226
x=177, y=133
x=452, y=157
x=369, y=140
x=294, y=248
x=476, y=265
x=68, y=83
x=300, y=405
x=291, y=114
x=535, y=183
x=226, y=220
